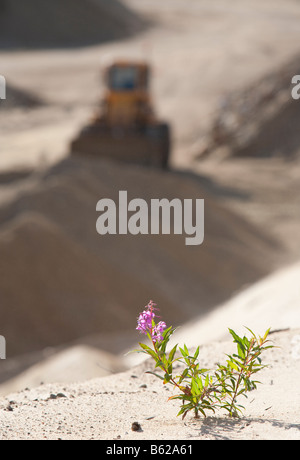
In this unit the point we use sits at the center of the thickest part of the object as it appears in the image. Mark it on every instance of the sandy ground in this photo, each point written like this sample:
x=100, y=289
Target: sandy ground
x=106, y=408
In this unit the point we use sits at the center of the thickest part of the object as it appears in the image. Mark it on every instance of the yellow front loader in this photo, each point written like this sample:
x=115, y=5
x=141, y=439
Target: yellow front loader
x=125, y=127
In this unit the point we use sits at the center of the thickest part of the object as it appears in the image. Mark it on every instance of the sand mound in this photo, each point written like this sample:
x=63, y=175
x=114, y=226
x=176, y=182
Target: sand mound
x=75, y=364
x=64, y=281
x=272, y=302
x=40, y=23
x=58, y=290
x=261, y=120
x=14, y=175
x=16, y=97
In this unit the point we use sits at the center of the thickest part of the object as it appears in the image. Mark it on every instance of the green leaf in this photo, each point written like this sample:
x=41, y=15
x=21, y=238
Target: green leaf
x=234, y=335
x=202, y=411
x=183, y=375
x=240, y=345
x=266, y=334
x=148, y=350
x=166, y=337
x=241, y=351
x=253, y=335
x=233, y=365
x=202, y=371
x=156, y=375
x=167, y=378
x=184, y=354
x=172, y=353
x=232, y=383
x=194, y=387
x=159, y=363
x=200, y=383
x=134, y=351
x=183, y=397
x=246, y=342
x=149, y=336
x=197, y=352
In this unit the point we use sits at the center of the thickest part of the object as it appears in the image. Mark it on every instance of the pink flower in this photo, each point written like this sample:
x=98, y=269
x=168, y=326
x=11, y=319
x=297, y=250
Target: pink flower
x=146, y=323
x=158, y=330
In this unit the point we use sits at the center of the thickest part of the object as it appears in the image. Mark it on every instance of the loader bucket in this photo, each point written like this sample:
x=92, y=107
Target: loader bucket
x=149, y=146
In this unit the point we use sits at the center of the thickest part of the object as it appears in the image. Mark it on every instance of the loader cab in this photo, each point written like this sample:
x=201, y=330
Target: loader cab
x=127, y=77
x=127, y=99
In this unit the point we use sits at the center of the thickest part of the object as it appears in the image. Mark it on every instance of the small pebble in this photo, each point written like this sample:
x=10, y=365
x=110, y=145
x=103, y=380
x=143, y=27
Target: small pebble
x=136, y=426
x=59, y=395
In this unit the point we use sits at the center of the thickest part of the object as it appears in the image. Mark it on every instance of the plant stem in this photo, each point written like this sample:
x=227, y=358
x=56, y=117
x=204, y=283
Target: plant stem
x=246, y=363
x=164, y=369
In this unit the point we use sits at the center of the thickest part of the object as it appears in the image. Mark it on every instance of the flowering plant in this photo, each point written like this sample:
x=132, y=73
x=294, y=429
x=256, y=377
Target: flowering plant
x=201, y=389
x=147, y=325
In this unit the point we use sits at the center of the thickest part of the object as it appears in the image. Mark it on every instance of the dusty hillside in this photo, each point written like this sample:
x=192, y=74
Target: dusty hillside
x=39, y=23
